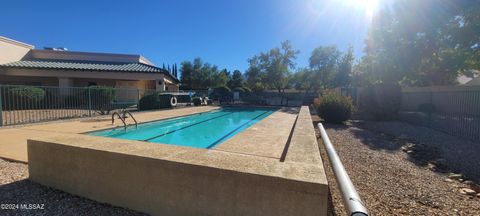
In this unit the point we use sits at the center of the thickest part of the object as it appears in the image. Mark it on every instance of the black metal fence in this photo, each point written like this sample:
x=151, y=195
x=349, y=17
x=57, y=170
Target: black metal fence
x=452, y=109
x=290, y=99
x=29, y=104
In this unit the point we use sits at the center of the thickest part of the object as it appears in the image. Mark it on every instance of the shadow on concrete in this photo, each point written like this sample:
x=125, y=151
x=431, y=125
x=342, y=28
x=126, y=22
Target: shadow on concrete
x=54, y=202
x=290, y=110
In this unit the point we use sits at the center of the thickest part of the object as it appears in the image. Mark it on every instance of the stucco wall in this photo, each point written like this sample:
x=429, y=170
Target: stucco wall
x=11, y=50
x=25, y=80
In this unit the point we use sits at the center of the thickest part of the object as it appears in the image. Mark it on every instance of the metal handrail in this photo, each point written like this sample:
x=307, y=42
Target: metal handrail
x=120, y=117
x=352, y=200
x=131, y=116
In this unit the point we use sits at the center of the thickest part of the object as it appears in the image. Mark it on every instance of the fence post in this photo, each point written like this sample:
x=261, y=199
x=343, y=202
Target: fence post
x=430, y=110
x=138, y=99
x=89, y=102
x=1, y=106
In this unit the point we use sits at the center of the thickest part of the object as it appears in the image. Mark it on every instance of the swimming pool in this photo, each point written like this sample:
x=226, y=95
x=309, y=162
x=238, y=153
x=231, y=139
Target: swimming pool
x=203, y=130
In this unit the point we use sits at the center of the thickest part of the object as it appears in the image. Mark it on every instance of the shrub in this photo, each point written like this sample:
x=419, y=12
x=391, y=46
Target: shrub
x=184, y=99
x=222, y=93
x=335, y=108
x=197, y=101
x=155, y=101
x=258, y=87
x=101, y=98
x=382, y=101
x=149, y=102
x=246, y=89
x=316, y=102
x=165, y=100
x=32, y=94
x=243, y=89
x=239, y=89
x=25, y=97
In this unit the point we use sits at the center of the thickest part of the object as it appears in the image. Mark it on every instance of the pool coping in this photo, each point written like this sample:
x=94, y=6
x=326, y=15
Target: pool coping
x=13, y=145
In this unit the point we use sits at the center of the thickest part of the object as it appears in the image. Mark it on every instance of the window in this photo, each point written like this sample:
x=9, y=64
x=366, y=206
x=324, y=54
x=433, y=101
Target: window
x=92, y=84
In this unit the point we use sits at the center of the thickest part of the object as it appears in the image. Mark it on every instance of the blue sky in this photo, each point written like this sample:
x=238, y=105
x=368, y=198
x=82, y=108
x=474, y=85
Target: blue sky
x=222, y=32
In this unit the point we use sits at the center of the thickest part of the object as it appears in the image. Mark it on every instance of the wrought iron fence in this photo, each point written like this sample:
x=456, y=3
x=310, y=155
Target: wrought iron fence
x=452, y=109
x=274, y=98
x=29, y=104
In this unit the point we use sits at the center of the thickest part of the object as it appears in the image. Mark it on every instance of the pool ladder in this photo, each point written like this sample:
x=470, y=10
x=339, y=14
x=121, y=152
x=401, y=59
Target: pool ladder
x=122, y=115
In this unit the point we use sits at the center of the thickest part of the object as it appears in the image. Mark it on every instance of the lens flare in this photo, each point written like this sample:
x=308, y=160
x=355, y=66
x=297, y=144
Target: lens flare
x=368, y=6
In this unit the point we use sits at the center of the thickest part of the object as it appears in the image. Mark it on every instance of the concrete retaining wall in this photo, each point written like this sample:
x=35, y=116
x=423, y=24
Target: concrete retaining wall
x=173, y=180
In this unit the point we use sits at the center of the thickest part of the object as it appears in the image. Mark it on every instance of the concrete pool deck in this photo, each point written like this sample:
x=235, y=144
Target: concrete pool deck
x=267, y=169
x=13, y=140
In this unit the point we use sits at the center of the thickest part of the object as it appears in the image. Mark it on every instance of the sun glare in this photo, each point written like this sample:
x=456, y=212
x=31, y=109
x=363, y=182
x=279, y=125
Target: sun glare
x=368, y=6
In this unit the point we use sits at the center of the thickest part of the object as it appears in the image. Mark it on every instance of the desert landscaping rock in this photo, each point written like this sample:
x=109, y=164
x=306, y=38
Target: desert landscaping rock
x=472, y=185
x=467, y=191
x=455, y=176
x=390, y=181
x=448, y=180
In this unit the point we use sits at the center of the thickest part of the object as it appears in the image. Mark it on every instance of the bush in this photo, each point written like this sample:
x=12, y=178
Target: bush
x=33, y=94
x=334, y=108
x=197, y=101
x=247, y=90
x=242, y=89
x=258, y=87
x=155, y=101
x=382, y=101
x=24, y=97
x=165, y=100
x=101, y=98
x=239, y=89
x=149, y=102
x=221, y=93
x=184, y=99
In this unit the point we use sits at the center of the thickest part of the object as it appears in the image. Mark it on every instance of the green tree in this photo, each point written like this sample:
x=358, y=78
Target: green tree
x=343, y=76
x=427, y=42
x=300, y=80
x=254, y=76
x=200, y=75
x=273, y=67
x=186, y=70
x=324, y=66
x=237, y=80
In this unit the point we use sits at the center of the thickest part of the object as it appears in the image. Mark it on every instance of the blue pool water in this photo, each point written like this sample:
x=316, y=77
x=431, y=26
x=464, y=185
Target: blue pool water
x=203, y=130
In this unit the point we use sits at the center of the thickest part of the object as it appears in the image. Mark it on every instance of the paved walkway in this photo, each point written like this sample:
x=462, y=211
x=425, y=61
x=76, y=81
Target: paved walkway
x=258, y=140
x=13, y=141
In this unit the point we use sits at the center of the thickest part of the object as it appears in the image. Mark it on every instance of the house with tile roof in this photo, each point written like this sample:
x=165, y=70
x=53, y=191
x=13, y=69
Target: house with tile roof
x=22, y=64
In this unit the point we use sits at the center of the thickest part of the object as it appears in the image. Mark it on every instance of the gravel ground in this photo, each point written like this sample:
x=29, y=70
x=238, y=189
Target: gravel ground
x=392, y=181
x=398, y=169
x=460, y=155
x=15, y=188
